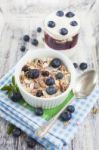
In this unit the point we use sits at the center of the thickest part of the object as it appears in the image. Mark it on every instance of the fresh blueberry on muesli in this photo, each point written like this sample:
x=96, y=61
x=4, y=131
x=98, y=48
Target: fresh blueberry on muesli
x=50, y=81
x=51, y=90
x=59, y=75
x=45, y=73
x=56, y=62
x=39, y=93
x=39, y=111
x=65, y=116
x=60, y=13
x=73, y=23
x=33, y=73
x=34, y=42
x=51, y=24
x=39, y=29
x=70, y=14
x=26, y=38
x=63, y=31
x=70, y=108
x=83, y=66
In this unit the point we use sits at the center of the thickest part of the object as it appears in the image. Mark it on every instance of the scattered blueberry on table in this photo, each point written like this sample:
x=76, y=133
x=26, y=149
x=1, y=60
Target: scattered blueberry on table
x=83, y=66
x=15, y=96
x=39, y=29
x=16, y=132
x=39, y=111
x=75, y=65
x=70, y=108
x=26, y=38
x=23, y=48
x=34, y=42
x=31, y=142
x=65, y=116
x=73, y=23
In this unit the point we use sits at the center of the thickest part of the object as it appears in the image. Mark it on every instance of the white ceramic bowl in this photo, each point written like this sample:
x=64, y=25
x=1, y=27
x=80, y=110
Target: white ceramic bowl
x=44, y=102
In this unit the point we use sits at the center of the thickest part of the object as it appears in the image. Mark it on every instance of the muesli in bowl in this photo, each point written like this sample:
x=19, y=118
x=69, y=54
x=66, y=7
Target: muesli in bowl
x=44, y=77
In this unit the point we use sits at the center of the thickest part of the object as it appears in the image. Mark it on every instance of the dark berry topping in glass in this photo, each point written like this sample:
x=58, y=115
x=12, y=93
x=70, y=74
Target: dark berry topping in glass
x=45, y=73
x=51, y=90
x=50, y=81
x=39, y=93
x=25, y=68
x=33, y=73
x=56, y=62
x=59, y=75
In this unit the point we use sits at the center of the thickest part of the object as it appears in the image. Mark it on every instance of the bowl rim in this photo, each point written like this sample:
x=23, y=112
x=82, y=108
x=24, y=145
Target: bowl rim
x=71, y=69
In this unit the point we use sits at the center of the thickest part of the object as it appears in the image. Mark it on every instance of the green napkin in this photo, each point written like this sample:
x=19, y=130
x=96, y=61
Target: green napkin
x=49, y=113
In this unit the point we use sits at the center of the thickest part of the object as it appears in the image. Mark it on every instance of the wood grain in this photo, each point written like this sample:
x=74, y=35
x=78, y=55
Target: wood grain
x=88, y=135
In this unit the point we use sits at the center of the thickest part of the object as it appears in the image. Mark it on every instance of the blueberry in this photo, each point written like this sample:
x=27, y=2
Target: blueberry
x=39, y=93
x=56, y=62
x=50, y=81
x=16, y=132
x=31, y=142
x=34, y=42
x=65, y=116
x=25, y=68
x=83, y=66
x=39, y=29
x=73, y=23
x=59, y=75
x=33, y=73
x=70, y=108
x=23, y=48
x=63, y=31
x=16, y=96
x=75, y=65
x=60, y=13
x=70, y=14
x=39, y=111
x=26, y=38
x=51, y=90
x=45, y=73
x=51, y=24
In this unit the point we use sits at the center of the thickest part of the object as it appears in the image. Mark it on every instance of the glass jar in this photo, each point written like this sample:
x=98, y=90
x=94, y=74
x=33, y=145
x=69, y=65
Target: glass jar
x=61, y=30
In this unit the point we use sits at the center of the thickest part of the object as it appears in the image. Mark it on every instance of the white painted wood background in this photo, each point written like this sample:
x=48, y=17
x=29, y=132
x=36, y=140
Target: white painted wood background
x=88, y=136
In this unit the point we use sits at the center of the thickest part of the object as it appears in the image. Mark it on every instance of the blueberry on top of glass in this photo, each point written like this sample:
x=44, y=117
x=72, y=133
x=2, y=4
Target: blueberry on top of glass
x=70, y=14
x=73, y=23
x=60, y=13
x=59, y=75
x=63, y=31
x=51, y=24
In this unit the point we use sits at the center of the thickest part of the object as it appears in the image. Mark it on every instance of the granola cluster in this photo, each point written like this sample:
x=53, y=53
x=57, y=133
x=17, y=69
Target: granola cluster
x=45, y=77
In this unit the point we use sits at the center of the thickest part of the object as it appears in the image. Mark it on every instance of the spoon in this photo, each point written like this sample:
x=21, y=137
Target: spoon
x=84, y=86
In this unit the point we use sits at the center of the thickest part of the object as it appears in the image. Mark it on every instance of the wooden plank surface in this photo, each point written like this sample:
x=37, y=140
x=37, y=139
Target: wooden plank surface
x=88, y=135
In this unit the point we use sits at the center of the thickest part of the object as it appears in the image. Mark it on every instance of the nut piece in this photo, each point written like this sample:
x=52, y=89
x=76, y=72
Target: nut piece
x=63, y=86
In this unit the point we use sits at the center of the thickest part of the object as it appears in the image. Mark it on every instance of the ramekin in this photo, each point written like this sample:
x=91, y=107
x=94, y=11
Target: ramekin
x=44, y=102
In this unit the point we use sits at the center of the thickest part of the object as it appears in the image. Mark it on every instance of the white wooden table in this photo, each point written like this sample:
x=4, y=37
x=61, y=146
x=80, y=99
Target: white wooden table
x=88, y=136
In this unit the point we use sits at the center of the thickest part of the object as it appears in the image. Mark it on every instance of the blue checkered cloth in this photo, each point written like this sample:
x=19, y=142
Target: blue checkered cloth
x=59, y=135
